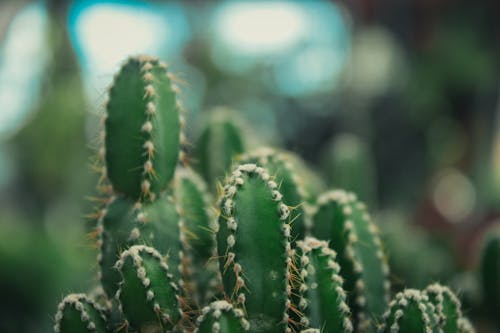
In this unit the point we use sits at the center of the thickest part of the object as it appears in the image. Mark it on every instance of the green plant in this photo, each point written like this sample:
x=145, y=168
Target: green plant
x=168, y=263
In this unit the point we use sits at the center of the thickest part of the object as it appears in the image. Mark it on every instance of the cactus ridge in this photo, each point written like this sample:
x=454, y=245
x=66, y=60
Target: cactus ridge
x=410, y=311
x=142, y=100
x=343, y=220
x=77, y=313
x=322, y=298
x=465, y=326
x=281, y=166
x=148, y=295
x=221, y=316
x=252, y=210
x=448, y=307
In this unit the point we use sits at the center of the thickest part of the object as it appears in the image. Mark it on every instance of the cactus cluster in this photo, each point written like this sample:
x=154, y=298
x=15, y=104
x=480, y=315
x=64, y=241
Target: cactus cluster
x=271, y=253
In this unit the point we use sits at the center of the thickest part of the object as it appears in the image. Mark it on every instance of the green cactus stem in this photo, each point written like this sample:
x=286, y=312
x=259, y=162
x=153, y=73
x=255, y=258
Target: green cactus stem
x=345, y=223
x=143, y=129
x=490, y=273
x=322, y=300
x=199, y=225
x=78, y=314
x=448, y=307
x=410, y=311
x=283, y=166
x=148, y=294
x=125, y=223
x=221, y=317
x=253, y=243
x=220, y=141
x=115, y=224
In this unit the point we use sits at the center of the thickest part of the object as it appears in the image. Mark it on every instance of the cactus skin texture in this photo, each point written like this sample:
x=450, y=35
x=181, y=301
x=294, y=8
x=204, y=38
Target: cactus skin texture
x=143, y=134
x=125, y=223
x=148, y=294
x=281, y=165
x=78, y=314
x=490, y=273
x=322, y=300
x=410, y=311
x=199, y=225
x=448, y=307
x=221, y=317
x=344, y=221
x=254, y=248
x=220, y=141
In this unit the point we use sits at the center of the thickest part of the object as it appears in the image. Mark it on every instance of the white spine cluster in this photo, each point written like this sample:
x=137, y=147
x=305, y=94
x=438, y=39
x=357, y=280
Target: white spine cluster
x=216, y=310
x=78, y=302
x=403, y=300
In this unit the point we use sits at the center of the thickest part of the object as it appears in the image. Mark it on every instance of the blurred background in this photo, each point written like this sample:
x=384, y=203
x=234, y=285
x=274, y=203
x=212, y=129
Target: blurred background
x=396, y=100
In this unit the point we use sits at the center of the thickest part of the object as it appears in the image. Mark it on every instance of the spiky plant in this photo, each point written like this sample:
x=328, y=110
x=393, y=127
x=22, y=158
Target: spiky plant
x=172, y=259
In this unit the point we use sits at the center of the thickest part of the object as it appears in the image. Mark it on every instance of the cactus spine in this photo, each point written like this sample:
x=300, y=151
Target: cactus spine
x=254, y=248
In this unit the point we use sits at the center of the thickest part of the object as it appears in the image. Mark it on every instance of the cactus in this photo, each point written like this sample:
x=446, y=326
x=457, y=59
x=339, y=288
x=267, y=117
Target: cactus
x=256, y=278
x=164, y=255
x=124, y=223
x=220, y=141
x=281, y=165
x=221, y=316
x=148, y=294
x=448, y=307
x=343, y=220
x=78, y=314
x=322, y=300
x=143, y=133
x=410, y=311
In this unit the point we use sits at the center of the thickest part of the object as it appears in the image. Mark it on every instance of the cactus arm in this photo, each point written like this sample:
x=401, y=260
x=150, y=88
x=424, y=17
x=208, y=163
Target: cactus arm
x=143, y=132
x=78, y=314
x=148, y=294
x=220, y=316
x=342, y=220
x=322, y=297
x=410, y=311
x=254, y=248
x=448, y=307
x=283, y=166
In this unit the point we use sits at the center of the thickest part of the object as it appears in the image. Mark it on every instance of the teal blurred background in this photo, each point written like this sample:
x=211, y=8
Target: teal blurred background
x=412, y=86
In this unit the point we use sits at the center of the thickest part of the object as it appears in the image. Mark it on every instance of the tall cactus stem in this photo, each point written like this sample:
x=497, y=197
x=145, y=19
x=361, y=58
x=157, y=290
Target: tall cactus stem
x=345, y=222
x=143, y=133
x=256, y=278
x=322, y=299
